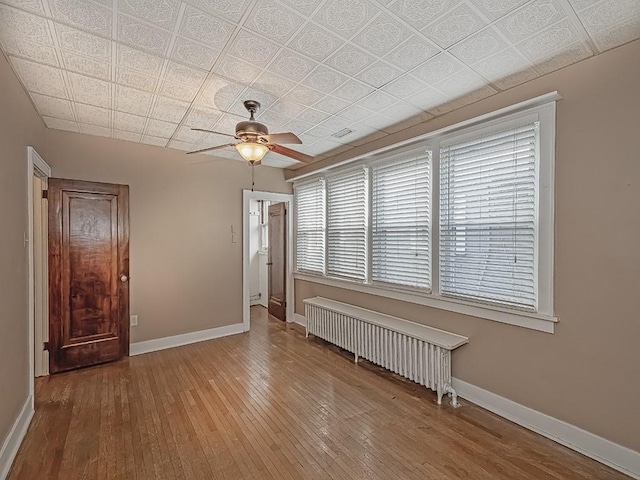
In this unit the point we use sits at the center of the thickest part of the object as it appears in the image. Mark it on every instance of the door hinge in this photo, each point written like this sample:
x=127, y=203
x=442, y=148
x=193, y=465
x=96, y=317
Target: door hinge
x=45, y=193
x=45, y=346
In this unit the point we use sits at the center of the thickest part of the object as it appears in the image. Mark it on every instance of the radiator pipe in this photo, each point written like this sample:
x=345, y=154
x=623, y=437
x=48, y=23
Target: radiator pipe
x=454, y=396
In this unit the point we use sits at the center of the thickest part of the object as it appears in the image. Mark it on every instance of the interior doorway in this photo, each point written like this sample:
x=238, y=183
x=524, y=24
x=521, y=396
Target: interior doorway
x=40, y=275
x=38, y=173
x=256, y=255
x=258, y=252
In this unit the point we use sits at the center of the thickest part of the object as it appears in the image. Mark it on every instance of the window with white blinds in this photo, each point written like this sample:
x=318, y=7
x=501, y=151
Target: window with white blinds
x=400, y=230
x=310, y=227
x=347, y=225
x=488, y=218
x=461, y=219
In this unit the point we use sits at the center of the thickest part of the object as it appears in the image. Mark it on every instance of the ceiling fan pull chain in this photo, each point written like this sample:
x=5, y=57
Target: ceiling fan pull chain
x=253, y=182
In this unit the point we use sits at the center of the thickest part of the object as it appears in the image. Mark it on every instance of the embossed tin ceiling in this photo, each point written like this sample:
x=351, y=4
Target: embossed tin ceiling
x=146, y=71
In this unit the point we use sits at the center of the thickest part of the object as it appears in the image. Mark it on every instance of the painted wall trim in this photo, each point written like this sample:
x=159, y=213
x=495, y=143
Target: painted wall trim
x=14, y=439
x=604, y=451
x=154, y=345
x=300, y=319
x=539, y=322
x=35, y=166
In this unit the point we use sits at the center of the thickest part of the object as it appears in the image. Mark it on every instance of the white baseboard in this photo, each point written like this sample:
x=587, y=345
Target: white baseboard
x=185, y=339
x=14, y=439
x=300, y=319
x=604, y=451
x=600, y=449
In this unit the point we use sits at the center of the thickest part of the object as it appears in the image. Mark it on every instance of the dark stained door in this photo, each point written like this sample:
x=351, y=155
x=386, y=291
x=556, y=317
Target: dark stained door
x=277, y=261
x=88, y=273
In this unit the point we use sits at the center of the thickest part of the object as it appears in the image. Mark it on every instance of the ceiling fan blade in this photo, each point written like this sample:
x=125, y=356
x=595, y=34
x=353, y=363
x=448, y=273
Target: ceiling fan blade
x=285, y=137
x=287, y=152
x=213, y=131
x=212, y=148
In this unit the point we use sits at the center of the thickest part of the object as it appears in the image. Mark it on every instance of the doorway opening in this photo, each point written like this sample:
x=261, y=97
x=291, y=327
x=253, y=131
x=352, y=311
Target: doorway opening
x=259, y=252
x=267, y=258
x=38, y=173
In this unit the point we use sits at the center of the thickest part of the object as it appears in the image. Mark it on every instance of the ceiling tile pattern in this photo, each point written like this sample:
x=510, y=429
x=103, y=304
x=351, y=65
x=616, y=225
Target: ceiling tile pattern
x=149, y=71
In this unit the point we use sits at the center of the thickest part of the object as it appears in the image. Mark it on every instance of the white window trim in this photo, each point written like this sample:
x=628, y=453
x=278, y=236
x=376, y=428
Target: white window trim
x=295, y=226
x=544, y=320
x=533, y=321
x=367, y=206
x=544, y=114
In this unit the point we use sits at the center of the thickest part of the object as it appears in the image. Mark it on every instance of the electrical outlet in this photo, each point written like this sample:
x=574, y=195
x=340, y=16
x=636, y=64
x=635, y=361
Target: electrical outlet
x=134, y=321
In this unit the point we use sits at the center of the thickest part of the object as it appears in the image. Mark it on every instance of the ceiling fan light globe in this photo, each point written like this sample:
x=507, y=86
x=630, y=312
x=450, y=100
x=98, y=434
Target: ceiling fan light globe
x=252, y=151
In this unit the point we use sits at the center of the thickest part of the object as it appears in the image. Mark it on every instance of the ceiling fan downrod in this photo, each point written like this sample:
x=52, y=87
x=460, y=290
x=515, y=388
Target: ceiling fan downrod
x=252, y=106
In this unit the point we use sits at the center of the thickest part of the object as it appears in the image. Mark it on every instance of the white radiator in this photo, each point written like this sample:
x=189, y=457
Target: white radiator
x=418, y=352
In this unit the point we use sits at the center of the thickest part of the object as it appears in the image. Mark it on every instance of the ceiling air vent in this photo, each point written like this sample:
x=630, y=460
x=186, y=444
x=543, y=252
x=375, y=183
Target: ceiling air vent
x=342, y=133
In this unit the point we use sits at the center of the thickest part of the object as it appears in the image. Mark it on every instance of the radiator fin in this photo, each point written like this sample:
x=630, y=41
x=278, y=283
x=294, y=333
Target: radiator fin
x=413, y=358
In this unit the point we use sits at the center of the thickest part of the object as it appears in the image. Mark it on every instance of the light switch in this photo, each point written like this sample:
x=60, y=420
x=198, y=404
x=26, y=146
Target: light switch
x=234, y=228
x=134, y=321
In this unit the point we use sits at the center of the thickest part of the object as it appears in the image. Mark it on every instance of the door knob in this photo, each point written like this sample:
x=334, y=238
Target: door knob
x=124, y=278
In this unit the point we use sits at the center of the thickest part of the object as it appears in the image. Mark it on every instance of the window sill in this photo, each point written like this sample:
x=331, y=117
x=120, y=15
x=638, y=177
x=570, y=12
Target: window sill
x=533, y=321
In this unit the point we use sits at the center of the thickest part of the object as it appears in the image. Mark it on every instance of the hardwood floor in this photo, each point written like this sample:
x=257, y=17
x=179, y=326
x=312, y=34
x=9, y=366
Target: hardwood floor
x=271, y=404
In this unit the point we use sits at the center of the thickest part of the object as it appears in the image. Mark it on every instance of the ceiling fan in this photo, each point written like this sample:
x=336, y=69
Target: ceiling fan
x=255, y=140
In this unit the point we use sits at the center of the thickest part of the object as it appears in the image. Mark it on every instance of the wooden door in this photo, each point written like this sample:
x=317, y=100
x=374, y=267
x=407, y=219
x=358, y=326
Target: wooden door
x=88, y=273
x=277, y=261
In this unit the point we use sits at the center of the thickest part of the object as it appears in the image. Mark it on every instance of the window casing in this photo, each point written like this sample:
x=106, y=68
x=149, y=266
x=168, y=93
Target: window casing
x=264, y=226
x=347, y=224
x=488, y=217
x=511, y=237
x=310, y=227
x=401, y=223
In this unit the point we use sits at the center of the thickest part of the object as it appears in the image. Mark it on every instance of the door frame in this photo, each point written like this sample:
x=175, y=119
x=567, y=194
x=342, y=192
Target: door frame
x=246, y=288
x=36, y=166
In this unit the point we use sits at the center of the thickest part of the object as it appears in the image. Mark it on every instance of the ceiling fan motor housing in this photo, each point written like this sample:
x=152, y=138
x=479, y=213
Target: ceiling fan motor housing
x=250, y=130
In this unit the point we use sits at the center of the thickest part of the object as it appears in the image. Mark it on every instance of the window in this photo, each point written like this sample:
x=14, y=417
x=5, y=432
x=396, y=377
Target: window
x=461, y=219
x=310, y=227
x=400, y=238
x=487, y=217
x=264, y=225
x=347, y=224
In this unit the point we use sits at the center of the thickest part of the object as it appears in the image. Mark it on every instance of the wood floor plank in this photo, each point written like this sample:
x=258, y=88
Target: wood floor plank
x=271, y=404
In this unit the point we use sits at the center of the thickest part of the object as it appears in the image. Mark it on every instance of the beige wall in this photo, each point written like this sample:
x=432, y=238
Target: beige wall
x=20, y=127
x=186, y=275
x=587, y=373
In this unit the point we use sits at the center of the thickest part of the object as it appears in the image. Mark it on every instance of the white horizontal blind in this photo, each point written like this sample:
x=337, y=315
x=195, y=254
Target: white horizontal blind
x=310, y=227
x=347, y=225
x=488, y=217
x=401, y=222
